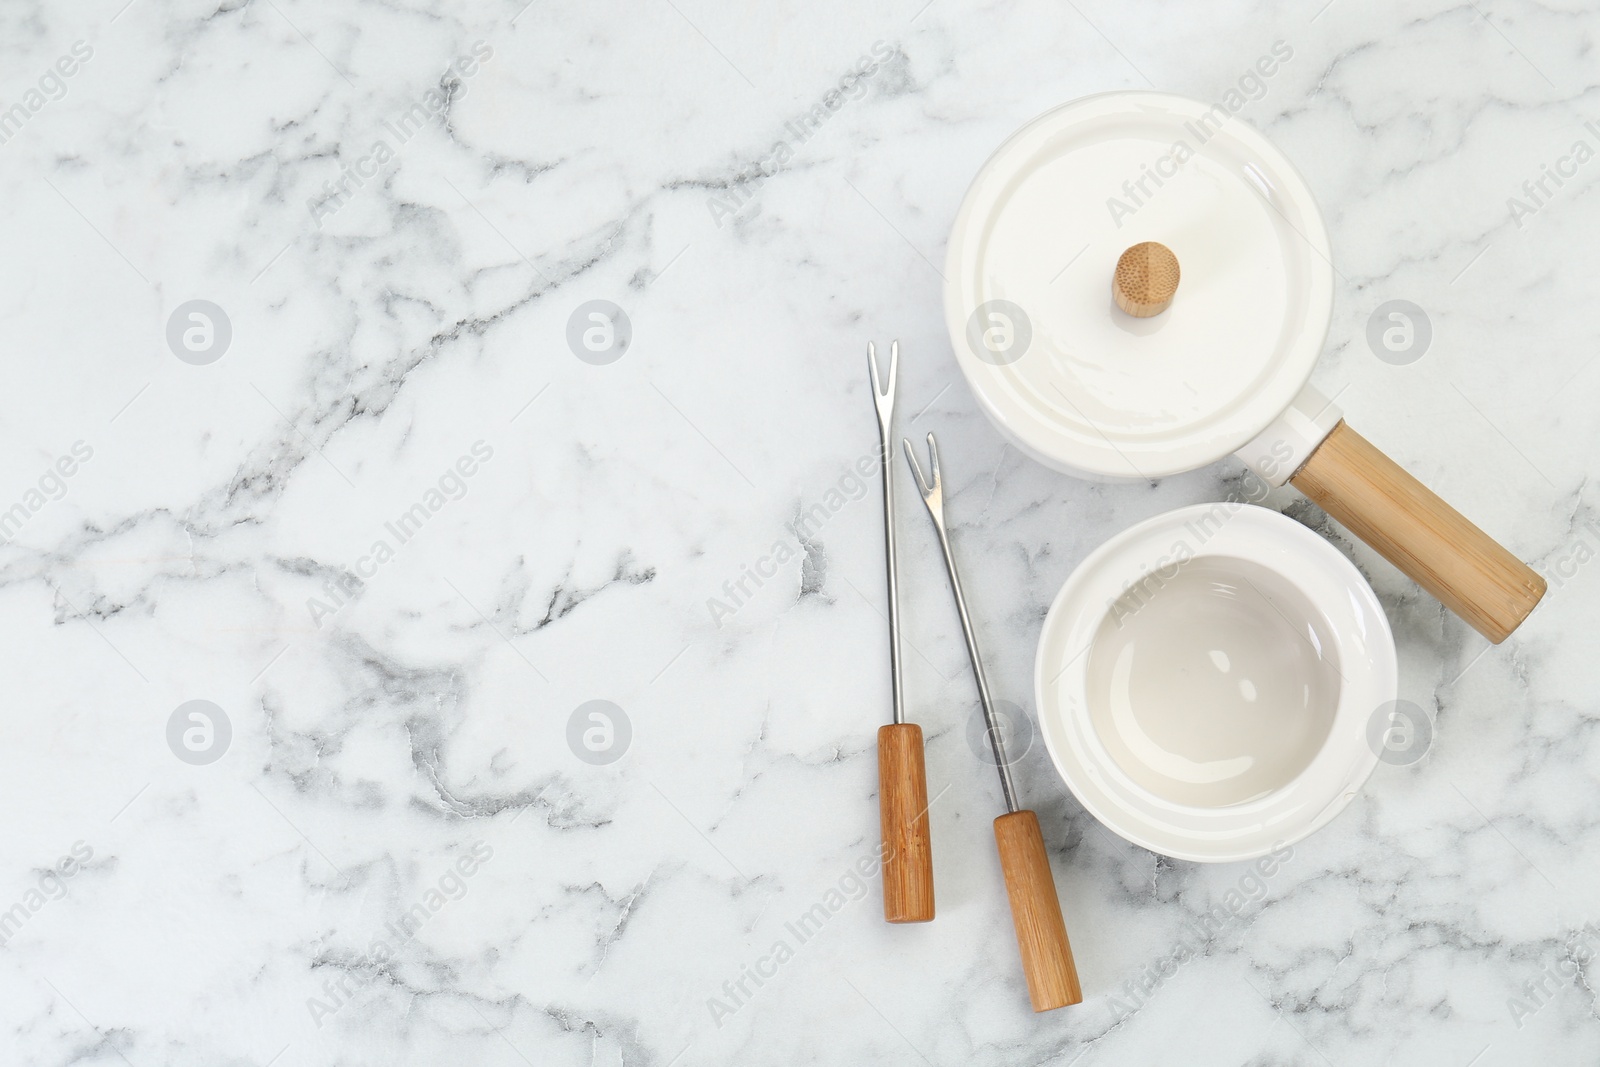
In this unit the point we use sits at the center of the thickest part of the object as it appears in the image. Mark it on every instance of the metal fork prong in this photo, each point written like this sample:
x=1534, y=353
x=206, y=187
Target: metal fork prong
x=916, y=468
x=883, y=398
x=933, y=452
x=878, y=386
x=932, y=498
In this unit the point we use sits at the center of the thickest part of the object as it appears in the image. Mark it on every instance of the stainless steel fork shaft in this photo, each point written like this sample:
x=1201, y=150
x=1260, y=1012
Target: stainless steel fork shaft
x=933, y=497
x=885, y=405
x=996, y=738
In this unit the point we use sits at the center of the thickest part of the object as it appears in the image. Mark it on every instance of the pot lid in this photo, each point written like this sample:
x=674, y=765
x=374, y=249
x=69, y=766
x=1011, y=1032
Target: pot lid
x=1069, y=376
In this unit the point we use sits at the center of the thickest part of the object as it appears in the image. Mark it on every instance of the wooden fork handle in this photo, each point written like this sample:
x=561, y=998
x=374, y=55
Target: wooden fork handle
x=903, y=812
x=1036, y=913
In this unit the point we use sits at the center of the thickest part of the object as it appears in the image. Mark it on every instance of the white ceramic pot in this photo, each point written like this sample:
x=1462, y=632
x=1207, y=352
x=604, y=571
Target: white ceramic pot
x=1080, y=385
x=1206, y=682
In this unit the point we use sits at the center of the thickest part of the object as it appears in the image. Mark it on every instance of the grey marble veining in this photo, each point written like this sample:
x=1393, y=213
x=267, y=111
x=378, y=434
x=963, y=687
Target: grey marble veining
x=401, y=537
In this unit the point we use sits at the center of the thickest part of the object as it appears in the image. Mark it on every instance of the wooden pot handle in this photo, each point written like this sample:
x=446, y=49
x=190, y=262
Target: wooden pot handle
x=1036, y=912
x=903, y=812
x=1426, y=538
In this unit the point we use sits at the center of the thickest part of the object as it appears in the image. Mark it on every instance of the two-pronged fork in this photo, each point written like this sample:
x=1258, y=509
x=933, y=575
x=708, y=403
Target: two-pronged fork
x=1035, y=908
x=902, y=777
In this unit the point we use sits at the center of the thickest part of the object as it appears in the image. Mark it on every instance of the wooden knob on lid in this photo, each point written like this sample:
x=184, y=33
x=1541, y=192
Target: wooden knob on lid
x=1145, y=279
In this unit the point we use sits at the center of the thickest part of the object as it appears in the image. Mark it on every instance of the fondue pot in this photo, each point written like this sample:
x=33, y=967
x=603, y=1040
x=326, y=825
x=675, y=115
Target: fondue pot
x=1138, y=284
x=1207, y=682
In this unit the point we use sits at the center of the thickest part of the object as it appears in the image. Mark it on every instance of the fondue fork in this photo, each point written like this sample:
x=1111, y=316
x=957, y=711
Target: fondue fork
x=1035, y=908
x=902, y=776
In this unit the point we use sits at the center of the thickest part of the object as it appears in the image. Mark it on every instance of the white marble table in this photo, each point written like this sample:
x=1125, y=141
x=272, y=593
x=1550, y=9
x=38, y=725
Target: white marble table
x=373, y=509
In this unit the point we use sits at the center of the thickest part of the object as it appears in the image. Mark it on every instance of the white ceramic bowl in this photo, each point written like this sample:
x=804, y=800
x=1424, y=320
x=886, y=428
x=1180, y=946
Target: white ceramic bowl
x=1205, y=681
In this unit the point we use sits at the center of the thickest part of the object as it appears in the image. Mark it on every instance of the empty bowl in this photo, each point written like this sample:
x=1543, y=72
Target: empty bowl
x=1205, y=681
